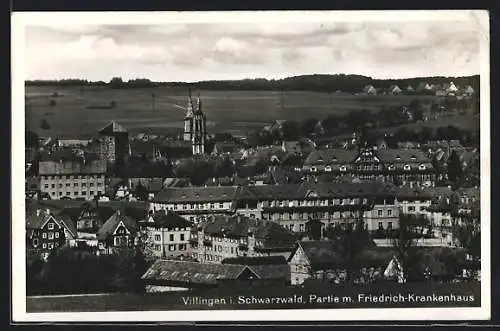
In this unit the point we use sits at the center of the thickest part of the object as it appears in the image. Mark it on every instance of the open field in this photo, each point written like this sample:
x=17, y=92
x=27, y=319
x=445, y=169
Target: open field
x=231, y=111
x=174, y=301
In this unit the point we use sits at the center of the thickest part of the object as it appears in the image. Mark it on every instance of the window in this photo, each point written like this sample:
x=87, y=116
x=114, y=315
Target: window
x=99, y=192
x=290, y=227
x=60, y=185
x=68, y=184
x=421, y=167
x=182, y=236
x=53, y=185
x=68, y=193
x=343, y=168
x=51, y=226
x=301, y=227
x=84, y=192
x=380, y=226
x=99, y=184
x=91, y=192
x=389, y=212
x=57, y=234
x=79, y=176
x=35, y=242
x=44, y=245
x=51, y=245
x=379, y=213
x=157, y=237
x=182, y=247
x=53, y=193
x=212, y=206
x=171, y=247
x=91, y=184
x=406, y=167
x=157, y=247
x=411, y=208
x=389, y=226
x=84, y=184
x=46, y=185
x=51, y=235
x=171, y=237
x=60, y=193
x=75, y=193
x=75, y=185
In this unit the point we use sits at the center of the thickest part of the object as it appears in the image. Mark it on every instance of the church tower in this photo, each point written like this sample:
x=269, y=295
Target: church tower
x=199, y=132
x=188, y=120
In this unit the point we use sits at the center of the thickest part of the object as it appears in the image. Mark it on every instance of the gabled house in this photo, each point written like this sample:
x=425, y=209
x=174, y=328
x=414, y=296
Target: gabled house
x=423, y=87
x=468, y=90
x=394, y=90
x=323, y=260
x=409, y=89
x=451, y=89
x=46, y=232
x=119, y=231
x=165, y=235
x=370, y=90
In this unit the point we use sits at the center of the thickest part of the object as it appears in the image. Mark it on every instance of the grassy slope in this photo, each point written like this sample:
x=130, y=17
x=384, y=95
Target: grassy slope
x=235, y=111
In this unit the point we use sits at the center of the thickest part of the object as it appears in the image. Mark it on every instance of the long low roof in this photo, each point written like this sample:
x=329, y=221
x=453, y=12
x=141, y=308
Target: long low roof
x=266, y=192
x=72, y=167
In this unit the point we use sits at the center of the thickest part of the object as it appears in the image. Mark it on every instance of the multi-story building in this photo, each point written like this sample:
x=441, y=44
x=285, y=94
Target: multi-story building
x=290, y=205
x=119, y=231
x=76, y=178
x=400, y=166
x=293, y=205
x=166, y=235
x=193, y=202
x=46, y=231
x=220, y=237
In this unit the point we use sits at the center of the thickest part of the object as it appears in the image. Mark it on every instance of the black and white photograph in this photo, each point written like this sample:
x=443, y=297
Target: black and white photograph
x=251, y=166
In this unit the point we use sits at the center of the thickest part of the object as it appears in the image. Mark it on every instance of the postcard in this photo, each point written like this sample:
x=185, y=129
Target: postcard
x=250, y=166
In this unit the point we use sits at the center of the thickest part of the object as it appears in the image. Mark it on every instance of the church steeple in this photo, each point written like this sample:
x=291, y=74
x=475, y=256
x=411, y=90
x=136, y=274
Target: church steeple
x=189, y=110
x=198, y=104
x=188, y=120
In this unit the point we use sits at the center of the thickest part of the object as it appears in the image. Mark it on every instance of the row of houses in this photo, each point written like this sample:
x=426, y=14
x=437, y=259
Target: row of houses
x=180, y=220
x=423, y=88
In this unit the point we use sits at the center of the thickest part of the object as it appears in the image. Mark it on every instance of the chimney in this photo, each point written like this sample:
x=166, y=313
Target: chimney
x=47, y=211
x=118, y=212
x=38, y=212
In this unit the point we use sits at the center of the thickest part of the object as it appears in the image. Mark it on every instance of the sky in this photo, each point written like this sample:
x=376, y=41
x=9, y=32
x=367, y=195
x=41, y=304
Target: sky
x=221, y=51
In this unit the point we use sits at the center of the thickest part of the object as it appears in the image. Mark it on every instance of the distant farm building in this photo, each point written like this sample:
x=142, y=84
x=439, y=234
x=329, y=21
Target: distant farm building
x=370, y=90
x=394, y=89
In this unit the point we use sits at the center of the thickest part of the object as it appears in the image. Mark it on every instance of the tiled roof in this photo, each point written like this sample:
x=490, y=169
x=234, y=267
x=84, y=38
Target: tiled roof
x=300, y=191
x=192, y=272
x=271, y=234
x=34, y=221
x=72, y=167
x=210, y=273
x=112, y=223
x=406, y=192
x=330, y=156
x=169, y=220
x=112, y=127
x=255, y=260
x=196, y=194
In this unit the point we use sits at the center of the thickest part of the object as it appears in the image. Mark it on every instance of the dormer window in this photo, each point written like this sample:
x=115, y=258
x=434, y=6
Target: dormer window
x=391, y=167
x=313, y=169
x=334, y=159
x=421, y=167
x=398, y=157
x=413, y=157
x=328, y=168
x=343, y=168
x=406, y=167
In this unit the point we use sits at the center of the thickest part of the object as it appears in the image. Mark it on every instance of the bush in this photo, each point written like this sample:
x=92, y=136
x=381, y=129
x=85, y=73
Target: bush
x=52, y=103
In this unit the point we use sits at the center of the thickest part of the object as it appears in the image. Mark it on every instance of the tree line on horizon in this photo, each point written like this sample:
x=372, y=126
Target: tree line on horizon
x=319, y=83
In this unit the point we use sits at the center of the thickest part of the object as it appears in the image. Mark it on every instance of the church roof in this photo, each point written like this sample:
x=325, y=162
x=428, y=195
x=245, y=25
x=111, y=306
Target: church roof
x=113, y=127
